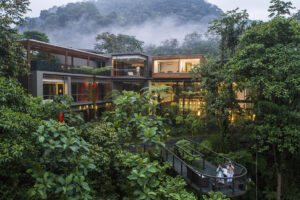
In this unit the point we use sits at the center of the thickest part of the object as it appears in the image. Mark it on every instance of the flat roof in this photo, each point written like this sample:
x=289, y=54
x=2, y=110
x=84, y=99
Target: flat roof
x=60, y=50
x=130, y=54
x=177, y=57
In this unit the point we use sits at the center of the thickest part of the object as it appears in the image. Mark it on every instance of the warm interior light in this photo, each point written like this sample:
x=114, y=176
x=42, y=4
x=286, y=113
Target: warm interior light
x=199, y=113
x=79, y=107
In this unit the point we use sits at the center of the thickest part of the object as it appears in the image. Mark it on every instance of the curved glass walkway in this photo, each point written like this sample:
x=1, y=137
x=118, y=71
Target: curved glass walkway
x=197, y=165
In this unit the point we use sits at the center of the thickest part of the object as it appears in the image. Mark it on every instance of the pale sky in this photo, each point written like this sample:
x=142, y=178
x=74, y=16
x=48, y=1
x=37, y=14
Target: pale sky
x=257, y=9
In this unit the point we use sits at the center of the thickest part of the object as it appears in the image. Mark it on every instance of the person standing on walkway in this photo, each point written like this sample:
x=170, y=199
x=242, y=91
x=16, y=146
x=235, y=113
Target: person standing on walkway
x=220, y=174
x=230, y=171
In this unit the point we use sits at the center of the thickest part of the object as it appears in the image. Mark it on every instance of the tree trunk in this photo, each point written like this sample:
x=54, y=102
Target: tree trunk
x=278, y=172
x=278, y=185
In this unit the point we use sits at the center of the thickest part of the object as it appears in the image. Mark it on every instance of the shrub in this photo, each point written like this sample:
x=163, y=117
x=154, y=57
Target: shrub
x=60, y=172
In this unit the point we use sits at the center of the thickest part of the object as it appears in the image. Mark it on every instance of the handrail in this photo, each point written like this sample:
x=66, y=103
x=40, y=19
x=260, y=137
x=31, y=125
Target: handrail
x=197, y=178
x=197, y=155
x=235, y=163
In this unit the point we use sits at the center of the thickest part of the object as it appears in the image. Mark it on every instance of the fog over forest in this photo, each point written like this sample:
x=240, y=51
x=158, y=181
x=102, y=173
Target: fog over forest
x=151, y=32
x=77, y=24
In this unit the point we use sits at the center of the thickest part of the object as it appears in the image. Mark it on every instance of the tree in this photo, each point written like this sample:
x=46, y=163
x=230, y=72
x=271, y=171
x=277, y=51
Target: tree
x=215, y=196
x=217, y=92
x=36, y=35
x=195, y=43
x=39, y=36
x=11, y=53
x=280, y=8
x=217, y=89
x=267, y=62
x=111, y=43
x=297, y=15
x=135, y=117
x=229, y=27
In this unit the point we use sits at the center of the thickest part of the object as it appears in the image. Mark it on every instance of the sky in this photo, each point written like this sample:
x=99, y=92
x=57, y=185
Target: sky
x=257, y=9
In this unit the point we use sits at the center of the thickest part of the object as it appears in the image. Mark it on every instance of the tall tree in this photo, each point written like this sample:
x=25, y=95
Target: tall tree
x=217, y=89
x=111, y=43
x=280, y=8
x=36, y=35
x=229, y=27
x=267, y=62
x=11, y=53
x=39, y=36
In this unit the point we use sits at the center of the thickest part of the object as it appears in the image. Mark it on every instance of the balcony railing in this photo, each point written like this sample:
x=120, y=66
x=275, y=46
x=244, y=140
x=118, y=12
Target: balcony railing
x=128, y=72
x=86, y=97
x=56, y=67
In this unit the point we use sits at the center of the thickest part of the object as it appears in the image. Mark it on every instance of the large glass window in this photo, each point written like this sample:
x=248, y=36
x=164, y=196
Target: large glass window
x=89, y=91
x=52, y=87
x=186, y=94
x=128, y=66
x=175, y=65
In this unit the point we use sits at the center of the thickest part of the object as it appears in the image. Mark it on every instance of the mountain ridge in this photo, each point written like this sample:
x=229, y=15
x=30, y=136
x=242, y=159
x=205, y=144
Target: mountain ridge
x=88, y=18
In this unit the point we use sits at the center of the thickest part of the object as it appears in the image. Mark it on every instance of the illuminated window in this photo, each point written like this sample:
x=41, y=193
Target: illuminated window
x=53, y=87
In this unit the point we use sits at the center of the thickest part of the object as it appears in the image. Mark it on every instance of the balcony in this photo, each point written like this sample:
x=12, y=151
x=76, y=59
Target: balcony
x=128, y=73
x=129, y=65
x=174, y=66
x=62, y=68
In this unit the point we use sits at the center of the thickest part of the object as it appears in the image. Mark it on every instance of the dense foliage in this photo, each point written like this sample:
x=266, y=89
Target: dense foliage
x=264, y=60
x=124, y=12
x=11, y=58
x=36, y=35
x=111, y=43
x=41, y=158
x=39, y=36
x=85, y=20
x=267, y=63
x=193, y=43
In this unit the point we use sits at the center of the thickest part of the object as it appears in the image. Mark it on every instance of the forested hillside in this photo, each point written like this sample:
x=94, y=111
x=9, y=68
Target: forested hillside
x=152, y=21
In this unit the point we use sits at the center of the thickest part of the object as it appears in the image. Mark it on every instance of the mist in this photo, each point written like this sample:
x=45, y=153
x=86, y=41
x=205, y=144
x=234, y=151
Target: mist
x=81, y=34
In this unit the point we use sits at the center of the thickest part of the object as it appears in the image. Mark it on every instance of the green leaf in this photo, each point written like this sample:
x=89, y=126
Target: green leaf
x=69, y=179
x=41, y=139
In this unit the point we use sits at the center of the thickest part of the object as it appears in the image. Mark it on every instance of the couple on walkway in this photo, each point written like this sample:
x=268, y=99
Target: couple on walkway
x=228, y=172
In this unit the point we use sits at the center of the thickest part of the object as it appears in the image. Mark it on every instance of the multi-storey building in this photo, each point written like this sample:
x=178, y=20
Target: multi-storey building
x=129, y=71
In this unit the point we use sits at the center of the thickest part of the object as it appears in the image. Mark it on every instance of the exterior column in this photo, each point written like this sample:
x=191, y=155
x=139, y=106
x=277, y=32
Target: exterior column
x=37, y=86
x=72, y=61
x=110, y=63
x=66, y=58
x=28, y=68
x=88, y=61
x=48, y=57
x=68, y=81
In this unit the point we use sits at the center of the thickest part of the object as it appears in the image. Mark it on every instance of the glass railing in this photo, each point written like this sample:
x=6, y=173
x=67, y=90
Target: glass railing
x=128, y=72
x=56, y=67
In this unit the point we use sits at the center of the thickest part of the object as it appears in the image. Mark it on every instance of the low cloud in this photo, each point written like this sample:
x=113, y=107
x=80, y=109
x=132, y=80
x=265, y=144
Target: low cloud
x=81, y=34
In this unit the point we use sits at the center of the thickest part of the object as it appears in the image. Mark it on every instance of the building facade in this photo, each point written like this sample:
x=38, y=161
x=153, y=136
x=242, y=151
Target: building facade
x=60, y=72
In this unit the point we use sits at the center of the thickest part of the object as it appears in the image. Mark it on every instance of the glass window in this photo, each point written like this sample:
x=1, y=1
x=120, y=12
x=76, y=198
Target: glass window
x=166, y=66
x=88, y=91
x=186, y=65
x=52, y=87
x=175, y=65
x=128, y=67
